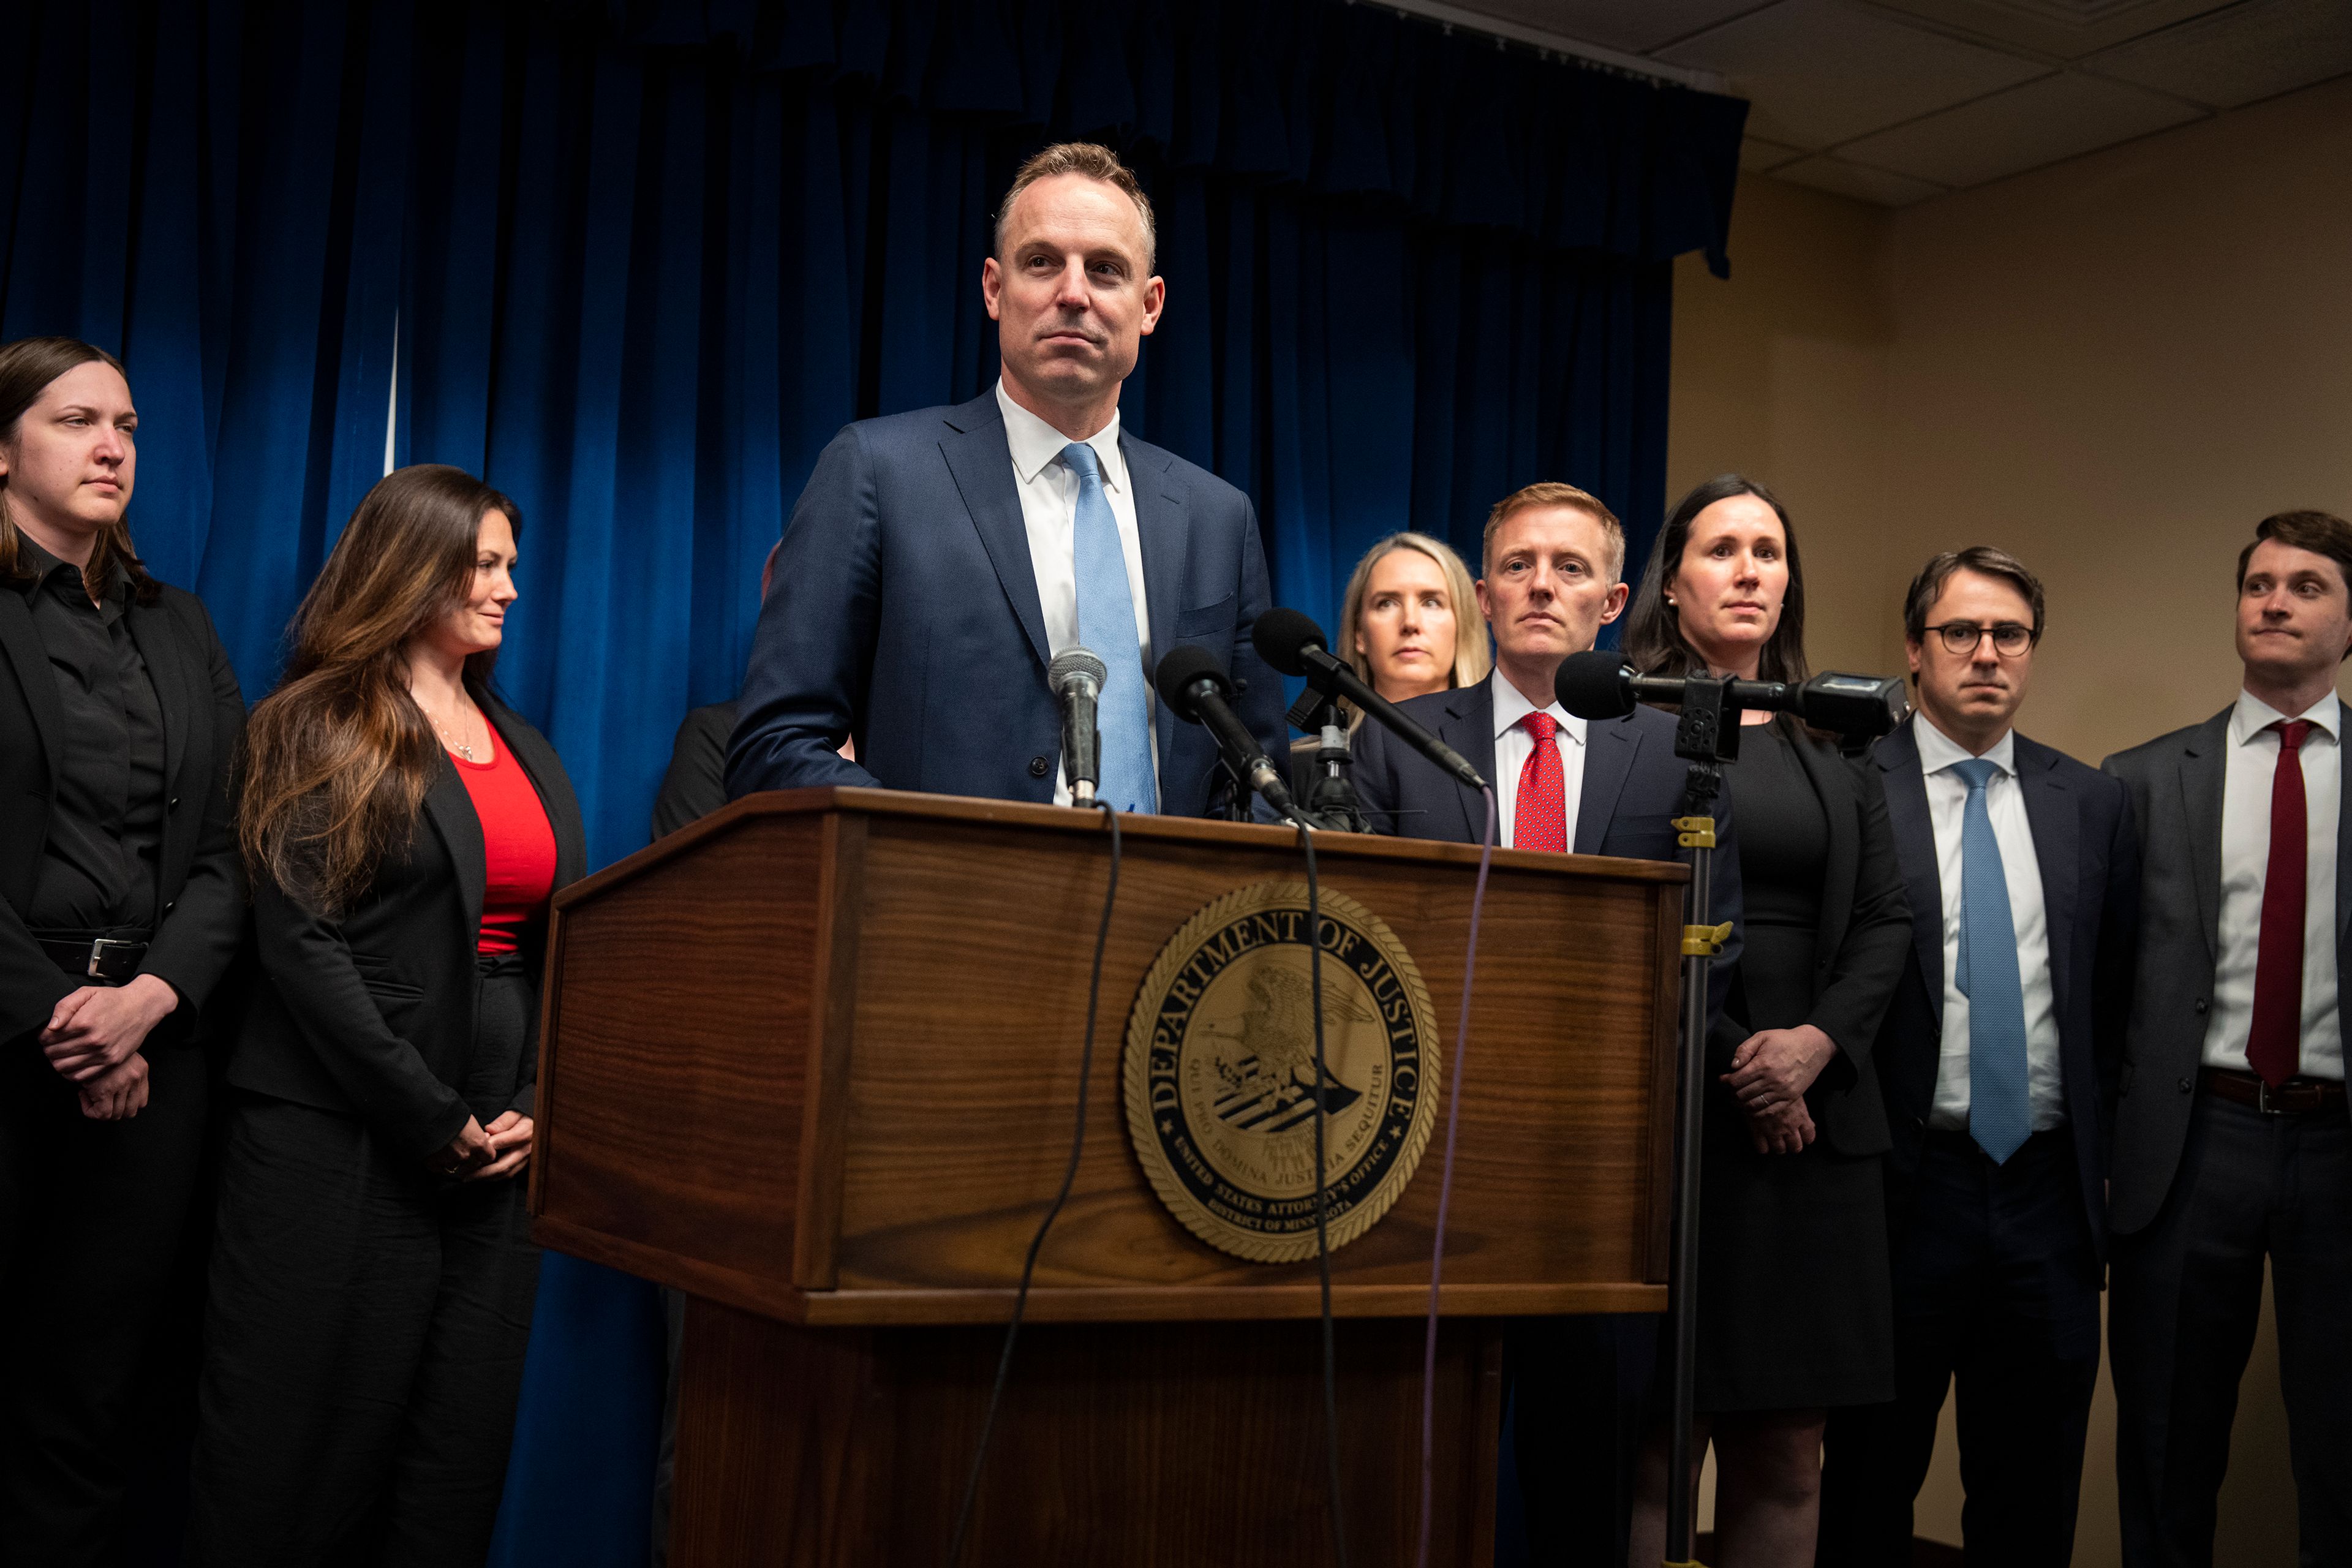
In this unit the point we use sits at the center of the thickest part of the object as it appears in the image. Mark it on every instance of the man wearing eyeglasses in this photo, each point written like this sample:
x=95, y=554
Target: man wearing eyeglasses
x=1997, y=1061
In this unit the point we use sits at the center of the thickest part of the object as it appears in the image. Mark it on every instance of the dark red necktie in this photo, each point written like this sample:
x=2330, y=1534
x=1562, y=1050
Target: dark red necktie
x=2273, y=1039
x=1539, y=816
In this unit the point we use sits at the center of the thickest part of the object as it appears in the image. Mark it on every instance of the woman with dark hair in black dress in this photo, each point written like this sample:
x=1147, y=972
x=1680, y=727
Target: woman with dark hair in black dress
x=1794, y=1310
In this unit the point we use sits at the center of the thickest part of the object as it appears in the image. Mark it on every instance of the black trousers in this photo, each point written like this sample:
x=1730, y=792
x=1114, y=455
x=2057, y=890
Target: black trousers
x=2188, y=1293
x=363, y=1352
x=1579, y=1400
x=93, y=1215
x=1996, y=1289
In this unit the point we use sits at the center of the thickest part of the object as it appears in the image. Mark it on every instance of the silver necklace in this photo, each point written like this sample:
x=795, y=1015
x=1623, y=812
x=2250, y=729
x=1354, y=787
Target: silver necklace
x=460, y=747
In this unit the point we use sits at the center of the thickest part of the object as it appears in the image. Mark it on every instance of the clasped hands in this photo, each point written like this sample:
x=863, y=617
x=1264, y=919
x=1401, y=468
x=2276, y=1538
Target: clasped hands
x=480, y=1154
x=92, y=1039
x=1770, y=1074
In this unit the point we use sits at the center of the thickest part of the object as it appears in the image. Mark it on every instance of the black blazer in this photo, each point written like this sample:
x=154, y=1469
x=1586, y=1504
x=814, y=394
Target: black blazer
x=2089, y=855
x=696, y=784
x=372, y=1015
x=1632, y=790
x=2175, y=783
x=200, y=904
x=1860, y=946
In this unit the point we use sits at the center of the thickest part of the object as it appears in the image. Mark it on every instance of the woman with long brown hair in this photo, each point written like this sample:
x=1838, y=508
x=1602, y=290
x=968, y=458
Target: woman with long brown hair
x=372, y=1272
x=1795, y=1313
x=121, y=908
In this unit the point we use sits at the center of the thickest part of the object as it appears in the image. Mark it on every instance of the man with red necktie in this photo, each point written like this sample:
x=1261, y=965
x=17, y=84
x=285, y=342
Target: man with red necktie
x=2233, y=1145
x=1552, y=576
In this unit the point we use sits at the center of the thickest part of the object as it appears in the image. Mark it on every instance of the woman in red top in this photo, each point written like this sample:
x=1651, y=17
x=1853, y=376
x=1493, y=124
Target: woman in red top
x=373, y=1271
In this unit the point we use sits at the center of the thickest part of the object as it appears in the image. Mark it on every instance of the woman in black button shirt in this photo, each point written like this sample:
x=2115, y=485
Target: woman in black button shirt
x=1794, y=1307
x=120, y=905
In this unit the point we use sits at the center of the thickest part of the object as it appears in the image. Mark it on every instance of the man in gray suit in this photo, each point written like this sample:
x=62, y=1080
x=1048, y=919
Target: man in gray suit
x=2231, y=1142
x=938, y=560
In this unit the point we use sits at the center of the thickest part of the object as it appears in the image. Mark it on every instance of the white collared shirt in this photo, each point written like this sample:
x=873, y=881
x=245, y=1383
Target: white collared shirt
x=2020, y=867
x=1514, y=745
x=1049, y=511
x=2247, y=775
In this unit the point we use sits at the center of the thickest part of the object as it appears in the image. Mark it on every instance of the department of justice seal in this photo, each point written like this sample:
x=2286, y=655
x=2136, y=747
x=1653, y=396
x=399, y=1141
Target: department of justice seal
x=1219, y=1071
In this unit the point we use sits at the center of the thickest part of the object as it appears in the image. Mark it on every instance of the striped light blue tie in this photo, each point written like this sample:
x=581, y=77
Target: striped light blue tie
x=1997, y=1117
x=1107, y=625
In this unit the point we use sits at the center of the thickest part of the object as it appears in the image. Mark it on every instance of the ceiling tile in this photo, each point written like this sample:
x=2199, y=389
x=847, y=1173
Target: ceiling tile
x=2256, y=50
x=1881, y=186
x=2020, y=129
x=1758, y=156
x=2062, y=29
x=1613, y=23
x=1820, y=72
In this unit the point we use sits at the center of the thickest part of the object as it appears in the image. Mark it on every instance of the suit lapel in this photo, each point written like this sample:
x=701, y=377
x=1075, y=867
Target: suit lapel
x=22, y=645
x=1609, y=750
x=2343, y=863
x=1469, y=729
x=451, y=810
x=153, y=630
x=2054, y=814
x=1161, y=531
x=1914, y=846
x=2202, y=760
x=981, y=459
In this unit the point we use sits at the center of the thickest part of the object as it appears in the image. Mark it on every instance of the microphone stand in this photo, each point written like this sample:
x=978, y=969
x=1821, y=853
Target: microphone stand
x=1331, y=799
x=1708, y=736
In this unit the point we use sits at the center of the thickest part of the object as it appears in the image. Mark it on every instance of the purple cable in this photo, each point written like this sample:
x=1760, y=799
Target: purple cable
x=1446, y=1190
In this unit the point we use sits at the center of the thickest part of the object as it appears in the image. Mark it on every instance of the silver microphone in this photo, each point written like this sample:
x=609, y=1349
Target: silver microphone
x=1076, y=678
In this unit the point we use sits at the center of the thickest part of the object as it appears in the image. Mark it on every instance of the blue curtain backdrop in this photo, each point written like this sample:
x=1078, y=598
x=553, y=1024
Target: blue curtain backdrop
x=636, y=262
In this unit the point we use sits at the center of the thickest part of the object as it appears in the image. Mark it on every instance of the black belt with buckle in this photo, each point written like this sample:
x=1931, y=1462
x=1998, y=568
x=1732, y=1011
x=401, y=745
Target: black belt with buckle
x=100, y=960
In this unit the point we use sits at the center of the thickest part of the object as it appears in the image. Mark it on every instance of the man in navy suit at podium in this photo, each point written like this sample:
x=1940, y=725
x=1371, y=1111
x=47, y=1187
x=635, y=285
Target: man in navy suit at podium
x=938, y=560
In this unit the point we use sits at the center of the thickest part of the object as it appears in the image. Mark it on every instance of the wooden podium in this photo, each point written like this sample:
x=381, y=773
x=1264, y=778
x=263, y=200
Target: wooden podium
x=814, y=1061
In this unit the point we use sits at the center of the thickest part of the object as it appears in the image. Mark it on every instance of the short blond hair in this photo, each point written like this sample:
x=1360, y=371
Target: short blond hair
x=1471, y=661
x=1094, y=161
x=1551, y=492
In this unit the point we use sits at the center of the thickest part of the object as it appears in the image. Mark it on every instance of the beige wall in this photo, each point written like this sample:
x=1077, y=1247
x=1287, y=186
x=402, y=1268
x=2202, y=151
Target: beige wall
x=2113, y=367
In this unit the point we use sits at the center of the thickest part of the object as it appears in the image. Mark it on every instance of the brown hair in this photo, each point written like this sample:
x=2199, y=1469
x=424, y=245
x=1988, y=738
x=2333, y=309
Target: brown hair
x=2321, y=533
x=339, y=757
x=1653, y=641
x=27, y=366
x=1096, y=163
x=1985, y=561
x=1471, y=660
x=1550, y=492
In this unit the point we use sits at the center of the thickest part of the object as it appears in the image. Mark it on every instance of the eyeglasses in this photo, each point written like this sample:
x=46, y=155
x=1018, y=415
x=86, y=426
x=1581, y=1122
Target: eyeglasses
x=2009, y=638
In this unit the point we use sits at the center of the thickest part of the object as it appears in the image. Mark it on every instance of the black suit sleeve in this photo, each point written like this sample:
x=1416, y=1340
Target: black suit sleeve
x=1262, y=705
x=199, y=935
x=696, y=784
x=385, y=1077
x=1868, y=966
x=2112, y=981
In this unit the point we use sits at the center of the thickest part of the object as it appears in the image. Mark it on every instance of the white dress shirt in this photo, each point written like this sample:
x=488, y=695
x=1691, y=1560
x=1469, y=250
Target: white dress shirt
x=1514, y=745
x=2247, y=775
x=2020, y=867
x=1049, y=510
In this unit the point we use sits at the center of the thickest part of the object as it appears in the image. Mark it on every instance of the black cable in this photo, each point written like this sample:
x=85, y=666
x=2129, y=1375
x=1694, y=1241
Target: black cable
x=1069, y=1178
x=1323, y=1205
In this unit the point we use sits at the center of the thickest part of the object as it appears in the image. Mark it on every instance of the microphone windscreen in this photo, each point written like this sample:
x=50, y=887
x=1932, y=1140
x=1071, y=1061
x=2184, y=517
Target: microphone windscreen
x=1186, y=663
x=1592, y=684
x=1077, y=659
x=1282, y=637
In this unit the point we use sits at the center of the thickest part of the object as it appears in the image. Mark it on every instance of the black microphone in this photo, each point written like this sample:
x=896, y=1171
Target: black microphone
x=1598, y=684
x=1076, y=678
x=1294, y=643
x=1191, y=682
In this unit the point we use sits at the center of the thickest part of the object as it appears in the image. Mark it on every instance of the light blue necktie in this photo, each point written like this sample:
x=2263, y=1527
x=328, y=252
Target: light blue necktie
x=1107, y=625
x=1997, y=1117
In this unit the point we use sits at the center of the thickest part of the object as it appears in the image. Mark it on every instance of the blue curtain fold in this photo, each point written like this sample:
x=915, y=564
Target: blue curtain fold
x=635, y=261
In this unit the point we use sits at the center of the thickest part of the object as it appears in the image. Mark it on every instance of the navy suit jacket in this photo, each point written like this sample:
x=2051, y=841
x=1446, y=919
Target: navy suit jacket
x=905, y=613
x=2089, y=855
x=2174, y=783
x=1632, y=790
